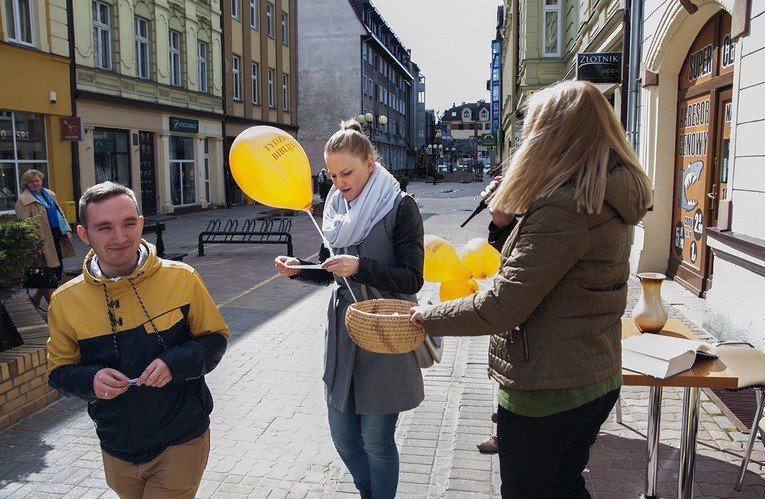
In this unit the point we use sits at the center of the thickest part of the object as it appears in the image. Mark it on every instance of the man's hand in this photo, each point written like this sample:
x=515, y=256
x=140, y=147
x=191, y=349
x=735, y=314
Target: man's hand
x=109, y=383
x=156, y=374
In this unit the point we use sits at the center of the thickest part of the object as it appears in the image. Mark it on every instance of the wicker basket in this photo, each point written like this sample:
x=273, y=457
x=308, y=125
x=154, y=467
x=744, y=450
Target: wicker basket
x=372, y=326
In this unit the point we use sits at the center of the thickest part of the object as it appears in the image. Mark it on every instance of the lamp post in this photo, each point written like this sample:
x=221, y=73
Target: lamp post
x=369, y=119
x=435, y=150
x=452, y=150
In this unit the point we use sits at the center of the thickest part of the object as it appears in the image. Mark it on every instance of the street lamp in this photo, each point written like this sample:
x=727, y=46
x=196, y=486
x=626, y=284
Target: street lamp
x=369, y=118
x=452, y=150
x=435, y=150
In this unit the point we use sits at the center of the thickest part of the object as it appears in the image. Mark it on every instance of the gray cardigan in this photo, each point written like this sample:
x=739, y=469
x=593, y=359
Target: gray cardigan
x=391, y=256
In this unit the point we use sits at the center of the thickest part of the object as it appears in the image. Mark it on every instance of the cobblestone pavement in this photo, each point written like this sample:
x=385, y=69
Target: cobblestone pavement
x=269, y=430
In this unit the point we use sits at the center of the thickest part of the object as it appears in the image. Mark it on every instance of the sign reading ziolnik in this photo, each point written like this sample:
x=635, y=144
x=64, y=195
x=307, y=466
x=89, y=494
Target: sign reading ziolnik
x=599, y=67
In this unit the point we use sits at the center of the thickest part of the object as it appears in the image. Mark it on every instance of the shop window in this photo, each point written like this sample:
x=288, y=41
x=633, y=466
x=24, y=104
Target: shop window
x=183, y=189
x=111, y=155
x=22, y=146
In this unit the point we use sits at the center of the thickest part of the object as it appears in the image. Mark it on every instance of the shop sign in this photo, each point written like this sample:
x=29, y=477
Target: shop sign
x=599, y=67
x=487, y=140
x=71, y=128
x=184, y=125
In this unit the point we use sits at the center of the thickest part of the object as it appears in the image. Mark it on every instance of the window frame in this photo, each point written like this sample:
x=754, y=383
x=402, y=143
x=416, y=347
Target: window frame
x=142, y=46
x=99, y=30
x=236, y=77
x=271, y=90
x=202, y=67
x=285, y=92
x=19, y=27
x=235, y=11
x=255, y=82
x=552, y=9
x=174, y=56
x=270, y=19
x=285, y=29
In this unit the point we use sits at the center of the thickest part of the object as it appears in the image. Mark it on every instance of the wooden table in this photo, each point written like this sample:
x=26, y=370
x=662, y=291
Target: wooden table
x=706, y=373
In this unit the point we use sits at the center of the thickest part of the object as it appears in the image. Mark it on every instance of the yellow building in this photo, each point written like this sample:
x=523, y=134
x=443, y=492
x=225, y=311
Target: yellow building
x=35, y=97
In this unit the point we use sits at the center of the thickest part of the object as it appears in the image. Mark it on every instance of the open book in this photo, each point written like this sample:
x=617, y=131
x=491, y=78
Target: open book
x=662, y=356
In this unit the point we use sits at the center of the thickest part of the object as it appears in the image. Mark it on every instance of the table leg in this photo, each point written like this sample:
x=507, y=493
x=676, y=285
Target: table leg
x=688, y=441
x=652, y=442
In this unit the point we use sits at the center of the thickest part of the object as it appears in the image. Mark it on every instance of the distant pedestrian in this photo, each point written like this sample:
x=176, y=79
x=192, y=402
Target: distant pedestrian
x=35, y=201
x=562, y=217
x=376, y=234
x=134, y=336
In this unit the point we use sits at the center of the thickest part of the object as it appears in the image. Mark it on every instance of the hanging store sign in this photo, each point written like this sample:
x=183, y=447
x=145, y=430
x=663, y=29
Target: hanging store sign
x=599, y=67
x=71, y=128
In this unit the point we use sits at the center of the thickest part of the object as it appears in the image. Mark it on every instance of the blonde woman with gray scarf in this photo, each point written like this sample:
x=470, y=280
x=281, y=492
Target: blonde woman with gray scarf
x=376, y=234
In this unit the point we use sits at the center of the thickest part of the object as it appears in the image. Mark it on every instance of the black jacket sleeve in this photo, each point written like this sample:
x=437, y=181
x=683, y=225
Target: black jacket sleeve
x=405, y=275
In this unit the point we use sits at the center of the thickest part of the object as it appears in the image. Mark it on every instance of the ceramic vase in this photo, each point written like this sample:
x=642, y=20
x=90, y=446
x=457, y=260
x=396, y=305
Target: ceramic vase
x=650, y=314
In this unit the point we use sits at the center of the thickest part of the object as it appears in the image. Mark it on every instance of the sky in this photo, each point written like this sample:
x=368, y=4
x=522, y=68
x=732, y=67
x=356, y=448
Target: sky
x=450, y=42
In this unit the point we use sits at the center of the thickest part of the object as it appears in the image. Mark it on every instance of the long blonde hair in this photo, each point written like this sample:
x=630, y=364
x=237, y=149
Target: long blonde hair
x=569, y=133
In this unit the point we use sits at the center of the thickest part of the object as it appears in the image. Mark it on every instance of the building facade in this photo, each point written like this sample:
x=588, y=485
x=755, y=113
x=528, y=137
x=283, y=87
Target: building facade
x=36, y=96
x=701, y=90
x=362, y=69
x=260, y=72
x=149, y=92
x=690, y=100
x=464, y=129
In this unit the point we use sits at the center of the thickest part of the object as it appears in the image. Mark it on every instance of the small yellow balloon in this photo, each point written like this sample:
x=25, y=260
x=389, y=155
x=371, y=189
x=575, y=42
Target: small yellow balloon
x=481, y=258
x=442, y=262
x=271, y=167
x=450, y=290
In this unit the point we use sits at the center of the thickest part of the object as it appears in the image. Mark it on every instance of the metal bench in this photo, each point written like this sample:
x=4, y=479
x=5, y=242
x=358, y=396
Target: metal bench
x=253, y=231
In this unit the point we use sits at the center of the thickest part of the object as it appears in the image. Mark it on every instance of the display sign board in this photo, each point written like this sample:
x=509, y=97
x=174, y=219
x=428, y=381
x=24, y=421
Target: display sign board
x=599, y=67
x=184, y=125
x=487, y=140
x=71, y=128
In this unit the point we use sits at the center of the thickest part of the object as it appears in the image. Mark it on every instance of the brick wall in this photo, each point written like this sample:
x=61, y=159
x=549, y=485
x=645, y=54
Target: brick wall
x=24, y=386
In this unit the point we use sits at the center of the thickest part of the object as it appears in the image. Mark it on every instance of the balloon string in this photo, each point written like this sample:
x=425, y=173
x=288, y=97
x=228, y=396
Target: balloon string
x=331, y=253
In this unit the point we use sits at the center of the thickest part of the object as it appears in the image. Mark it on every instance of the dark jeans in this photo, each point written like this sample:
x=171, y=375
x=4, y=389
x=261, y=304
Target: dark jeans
x=545, y=457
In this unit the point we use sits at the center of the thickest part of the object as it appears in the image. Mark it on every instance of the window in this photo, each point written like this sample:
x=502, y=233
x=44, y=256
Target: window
x=235, y=9
x=202, y=66
x=19, y=21
x=285, y=92
x=254, y=14
x=22, y=146
x=255, y=83
x=271, y=91
x=236, y=80
x=285, y=31
x=141, y=48
x=466, y=114
x=102, y=36
x=111, y=155
x=175, y=58
x=183, y=189
x=270, y=20
x=551, y=28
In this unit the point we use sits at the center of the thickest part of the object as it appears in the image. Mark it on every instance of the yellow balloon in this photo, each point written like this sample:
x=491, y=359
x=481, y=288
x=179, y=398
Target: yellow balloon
x=271, y=167
x=450, y=290
x=481, y=258
x=441, y=262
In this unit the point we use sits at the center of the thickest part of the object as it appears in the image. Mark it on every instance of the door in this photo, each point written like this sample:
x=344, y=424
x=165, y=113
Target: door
x=148, y=173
